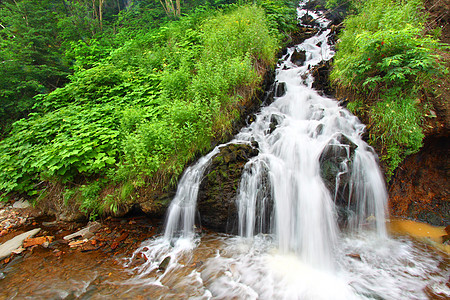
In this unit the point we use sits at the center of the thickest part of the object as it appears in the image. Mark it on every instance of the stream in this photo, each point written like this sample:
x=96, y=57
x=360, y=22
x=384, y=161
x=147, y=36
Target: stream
x=297, y=238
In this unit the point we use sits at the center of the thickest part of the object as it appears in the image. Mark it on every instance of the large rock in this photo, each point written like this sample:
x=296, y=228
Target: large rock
x=218, y=190
x=280, y=89
x=298, y=57
x=335, y=168
x=321, y=74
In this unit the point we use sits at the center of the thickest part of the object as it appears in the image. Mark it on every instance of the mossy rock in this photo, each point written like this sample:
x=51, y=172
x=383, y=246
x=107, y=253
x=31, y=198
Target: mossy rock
x=218, y=190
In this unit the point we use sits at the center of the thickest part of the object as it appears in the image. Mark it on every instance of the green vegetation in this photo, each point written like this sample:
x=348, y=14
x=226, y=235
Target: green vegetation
x=146, y=95
x=385, y=59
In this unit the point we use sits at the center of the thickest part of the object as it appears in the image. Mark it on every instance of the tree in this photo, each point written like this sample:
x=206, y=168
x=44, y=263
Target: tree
x=170, y=8
x=31, y=58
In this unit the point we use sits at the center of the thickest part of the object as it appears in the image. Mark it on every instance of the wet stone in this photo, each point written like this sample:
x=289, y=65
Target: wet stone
x=218, y=190
x=280, y=89
x=163, y=265
x=298, y=57
x=355, y=256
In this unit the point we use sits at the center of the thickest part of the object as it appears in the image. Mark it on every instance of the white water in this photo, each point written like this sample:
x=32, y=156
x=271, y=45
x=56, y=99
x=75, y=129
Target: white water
x=290, y=245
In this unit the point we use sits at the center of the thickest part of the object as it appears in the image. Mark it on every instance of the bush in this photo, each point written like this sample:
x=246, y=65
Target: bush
x=385, y=59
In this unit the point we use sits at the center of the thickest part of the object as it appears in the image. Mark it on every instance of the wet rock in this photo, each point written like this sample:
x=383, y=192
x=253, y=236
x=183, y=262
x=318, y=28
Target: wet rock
x=280, y=90
x=335, y=166
x=156, y=203
x=251, y=118
x=122, y=237
x=298, y=57
x=16, y=242
x=163, y=265
x=419, y=189
x=275, y=120
x=21, y=204
x=218, y=190
x=355, y=256
x=321, y=75
x=308, y=20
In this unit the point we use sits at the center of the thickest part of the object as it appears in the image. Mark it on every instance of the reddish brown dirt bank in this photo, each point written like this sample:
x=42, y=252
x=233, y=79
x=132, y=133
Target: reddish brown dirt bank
x=420, y=188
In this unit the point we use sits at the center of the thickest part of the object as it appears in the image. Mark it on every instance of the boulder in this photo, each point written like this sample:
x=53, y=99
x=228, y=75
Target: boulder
x=298, y=57
x=321, y=74
x=335, y=167
x=218, y=190
x=275, y=120
x=308, y=20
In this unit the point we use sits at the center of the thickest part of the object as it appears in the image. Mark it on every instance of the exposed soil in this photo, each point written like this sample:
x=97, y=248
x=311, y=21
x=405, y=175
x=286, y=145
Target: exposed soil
x=420, y=188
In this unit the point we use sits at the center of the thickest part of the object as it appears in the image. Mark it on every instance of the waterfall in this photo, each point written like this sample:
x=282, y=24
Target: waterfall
x=310, y=210
x=180, y=219
x=282, y=191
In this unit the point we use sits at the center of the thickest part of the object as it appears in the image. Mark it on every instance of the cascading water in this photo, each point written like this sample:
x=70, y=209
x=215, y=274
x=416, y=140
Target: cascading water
x=290, y=243
x=181, y=217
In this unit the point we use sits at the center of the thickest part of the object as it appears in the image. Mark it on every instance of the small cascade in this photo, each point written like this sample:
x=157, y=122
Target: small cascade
x=180, y=219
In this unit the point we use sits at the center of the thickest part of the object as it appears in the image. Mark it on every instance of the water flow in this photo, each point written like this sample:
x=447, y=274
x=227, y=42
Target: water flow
x=293, y=133
x=304, y=217
x=180, y=219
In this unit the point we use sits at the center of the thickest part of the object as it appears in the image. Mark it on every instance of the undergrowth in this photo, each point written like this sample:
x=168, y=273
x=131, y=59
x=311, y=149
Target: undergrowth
x=136, y=117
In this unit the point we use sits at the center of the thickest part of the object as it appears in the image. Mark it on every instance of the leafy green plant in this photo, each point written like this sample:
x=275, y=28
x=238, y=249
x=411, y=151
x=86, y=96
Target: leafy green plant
x=384, y=58
x=135, y=115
